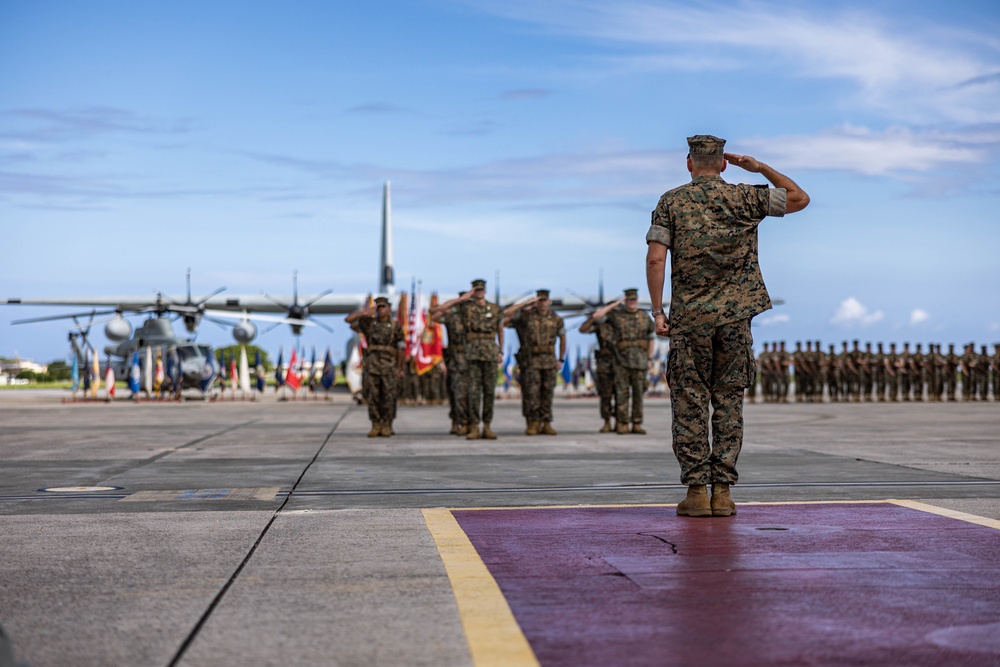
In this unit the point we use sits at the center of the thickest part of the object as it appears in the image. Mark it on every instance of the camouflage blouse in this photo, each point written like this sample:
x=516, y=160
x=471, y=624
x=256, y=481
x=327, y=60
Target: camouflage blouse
x=710, y=227
x=539, y=332
x=384, y=340
x=456, y=334
x=481, y=324
x=633, y=331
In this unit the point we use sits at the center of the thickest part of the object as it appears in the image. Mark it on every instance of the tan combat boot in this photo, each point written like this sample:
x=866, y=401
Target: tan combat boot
x=472, y=433
x=376, y=429
x=621, y=428
x=607, y=427
x=386, y=429
x=454, y=428
x=696, y=503
x=722, y=502
x=461, y=429
x=488, y=433
x=638, y=429
x=547, y=429
x=532, y=428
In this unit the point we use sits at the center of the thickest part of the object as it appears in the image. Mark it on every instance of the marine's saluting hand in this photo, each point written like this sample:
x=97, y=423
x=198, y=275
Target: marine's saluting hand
x=743, y=161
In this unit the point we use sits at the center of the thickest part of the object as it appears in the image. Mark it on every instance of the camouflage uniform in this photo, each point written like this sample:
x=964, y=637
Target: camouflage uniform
x=538, y=378
x=879, y=371
x=906, y=373
x=892, y=370
x=819, y=373
x=605, y=379
x=995, y=361
x=409, y=392
x=919, y=373
x=854, y=363
x=867, y=373
x=457, y=370
x=951, y=361
x=983, y=371
x=935, y=366
x=430, y=385
x=801, y=371
x=783, y=377
x=481, y=324
x=522, y=359
x=379, y=377
x=633, y=331
x=710, y=229
x=833, y=374
x=763, y=367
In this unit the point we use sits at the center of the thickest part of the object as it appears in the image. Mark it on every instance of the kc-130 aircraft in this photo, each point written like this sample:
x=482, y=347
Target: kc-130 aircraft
x=244, y=309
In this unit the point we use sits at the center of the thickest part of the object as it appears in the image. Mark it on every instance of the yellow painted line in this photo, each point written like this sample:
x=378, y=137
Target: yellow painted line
x=495, y=638
x=951, y=514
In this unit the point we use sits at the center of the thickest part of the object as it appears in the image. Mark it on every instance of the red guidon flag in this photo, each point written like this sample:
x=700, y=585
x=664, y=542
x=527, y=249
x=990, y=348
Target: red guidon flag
x=431, y=349
x=292, y=377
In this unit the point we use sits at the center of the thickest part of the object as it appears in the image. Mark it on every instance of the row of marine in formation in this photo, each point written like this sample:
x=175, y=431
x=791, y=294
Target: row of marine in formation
x=811, y=375
x=472, y=357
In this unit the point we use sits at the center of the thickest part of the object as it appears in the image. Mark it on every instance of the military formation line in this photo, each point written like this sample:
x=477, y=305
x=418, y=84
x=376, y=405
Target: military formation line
x=811, y=375
x=472, y=357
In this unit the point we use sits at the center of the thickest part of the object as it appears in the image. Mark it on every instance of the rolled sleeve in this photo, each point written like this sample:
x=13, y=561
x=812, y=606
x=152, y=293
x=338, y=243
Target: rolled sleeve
x=663, y=235
x=776, y=202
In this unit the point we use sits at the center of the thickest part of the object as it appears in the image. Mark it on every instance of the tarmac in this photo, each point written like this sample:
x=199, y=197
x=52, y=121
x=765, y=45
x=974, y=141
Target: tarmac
x=276, y=533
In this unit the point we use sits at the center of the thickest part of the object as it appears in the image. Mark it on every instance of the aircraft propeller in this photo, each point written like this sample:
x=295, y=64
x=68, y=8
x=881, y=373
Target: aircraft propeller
x=191, y=311
x=298, y=313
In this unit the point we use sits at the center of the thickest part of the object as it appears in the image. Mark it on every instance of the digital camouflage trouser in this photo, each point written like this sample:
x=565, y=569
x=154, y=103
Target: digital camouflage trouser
x=458, y=389
x=538, y=387
x=709, y=368
x=631, y=382
x=380, y=394
x=482, y=389
x=605, y=382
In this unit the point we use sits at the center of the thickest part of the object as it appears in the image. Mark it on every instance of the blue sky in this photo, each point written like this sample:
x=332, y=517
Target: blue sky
x=247, y=140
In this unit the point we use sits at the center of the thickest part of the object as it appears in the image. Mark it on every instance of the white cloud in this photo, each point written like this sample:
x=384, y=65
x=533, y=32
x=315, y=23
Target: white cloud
x=905, y=69
x=769, y=320
x=869, y=152
x=919, y=315
x=852, y=311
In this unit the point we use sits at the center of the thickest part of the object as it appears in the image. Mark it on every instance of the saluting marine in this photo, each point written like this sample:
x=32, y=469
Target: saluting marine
x=634, y=344
x=383, y=363
x=541, y=328
x=482, y=323
x=709, y=227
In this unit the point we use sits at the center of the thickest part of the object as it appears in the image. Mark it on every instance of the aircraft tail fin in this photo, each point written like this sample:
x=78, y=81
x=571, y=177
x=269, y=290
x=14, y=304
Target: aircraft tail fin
x=387, y=278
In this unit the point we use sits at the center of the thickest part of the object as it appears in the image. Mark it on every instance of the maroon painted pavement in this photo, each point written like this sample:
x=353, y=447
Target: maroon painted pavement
x=829, y=584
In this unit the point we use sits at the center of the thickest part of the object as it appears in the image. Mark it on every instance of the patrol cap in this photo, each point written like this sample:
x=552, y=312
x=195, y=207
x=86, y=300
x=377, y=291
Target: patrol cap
x=632, y=293
x=381, y=301
x=542, y=294
x=705, y=144
x=478, y=283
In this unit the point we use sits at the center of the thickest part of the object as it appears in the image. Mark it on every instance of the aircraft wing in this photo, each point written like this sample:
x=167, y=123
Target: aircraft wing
x=330, y=304
x=123, y=302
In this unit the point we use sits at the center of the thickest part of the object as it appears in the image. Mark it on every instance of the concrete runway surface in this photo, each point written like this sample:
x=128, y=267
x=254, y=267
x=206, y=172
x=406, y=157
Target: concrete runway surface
x=277, y=533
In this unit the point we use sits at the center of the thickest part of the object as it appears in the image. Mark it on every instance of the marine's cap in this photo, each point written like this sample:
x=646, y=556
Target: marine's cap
x=632, y=293
x=542, y=294
x=479, y=283
x=381, y=301
x=705, y=144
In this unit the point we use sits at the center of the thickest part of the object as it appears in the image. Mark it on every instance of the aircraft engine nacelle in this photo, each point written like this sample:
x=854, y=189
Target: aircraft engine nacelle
x=118, y=330
x=244, y=332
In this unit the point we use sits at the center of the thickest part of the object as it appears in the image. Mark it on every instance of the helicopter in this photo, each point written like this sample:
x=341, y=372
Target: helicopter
x=189, y=365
